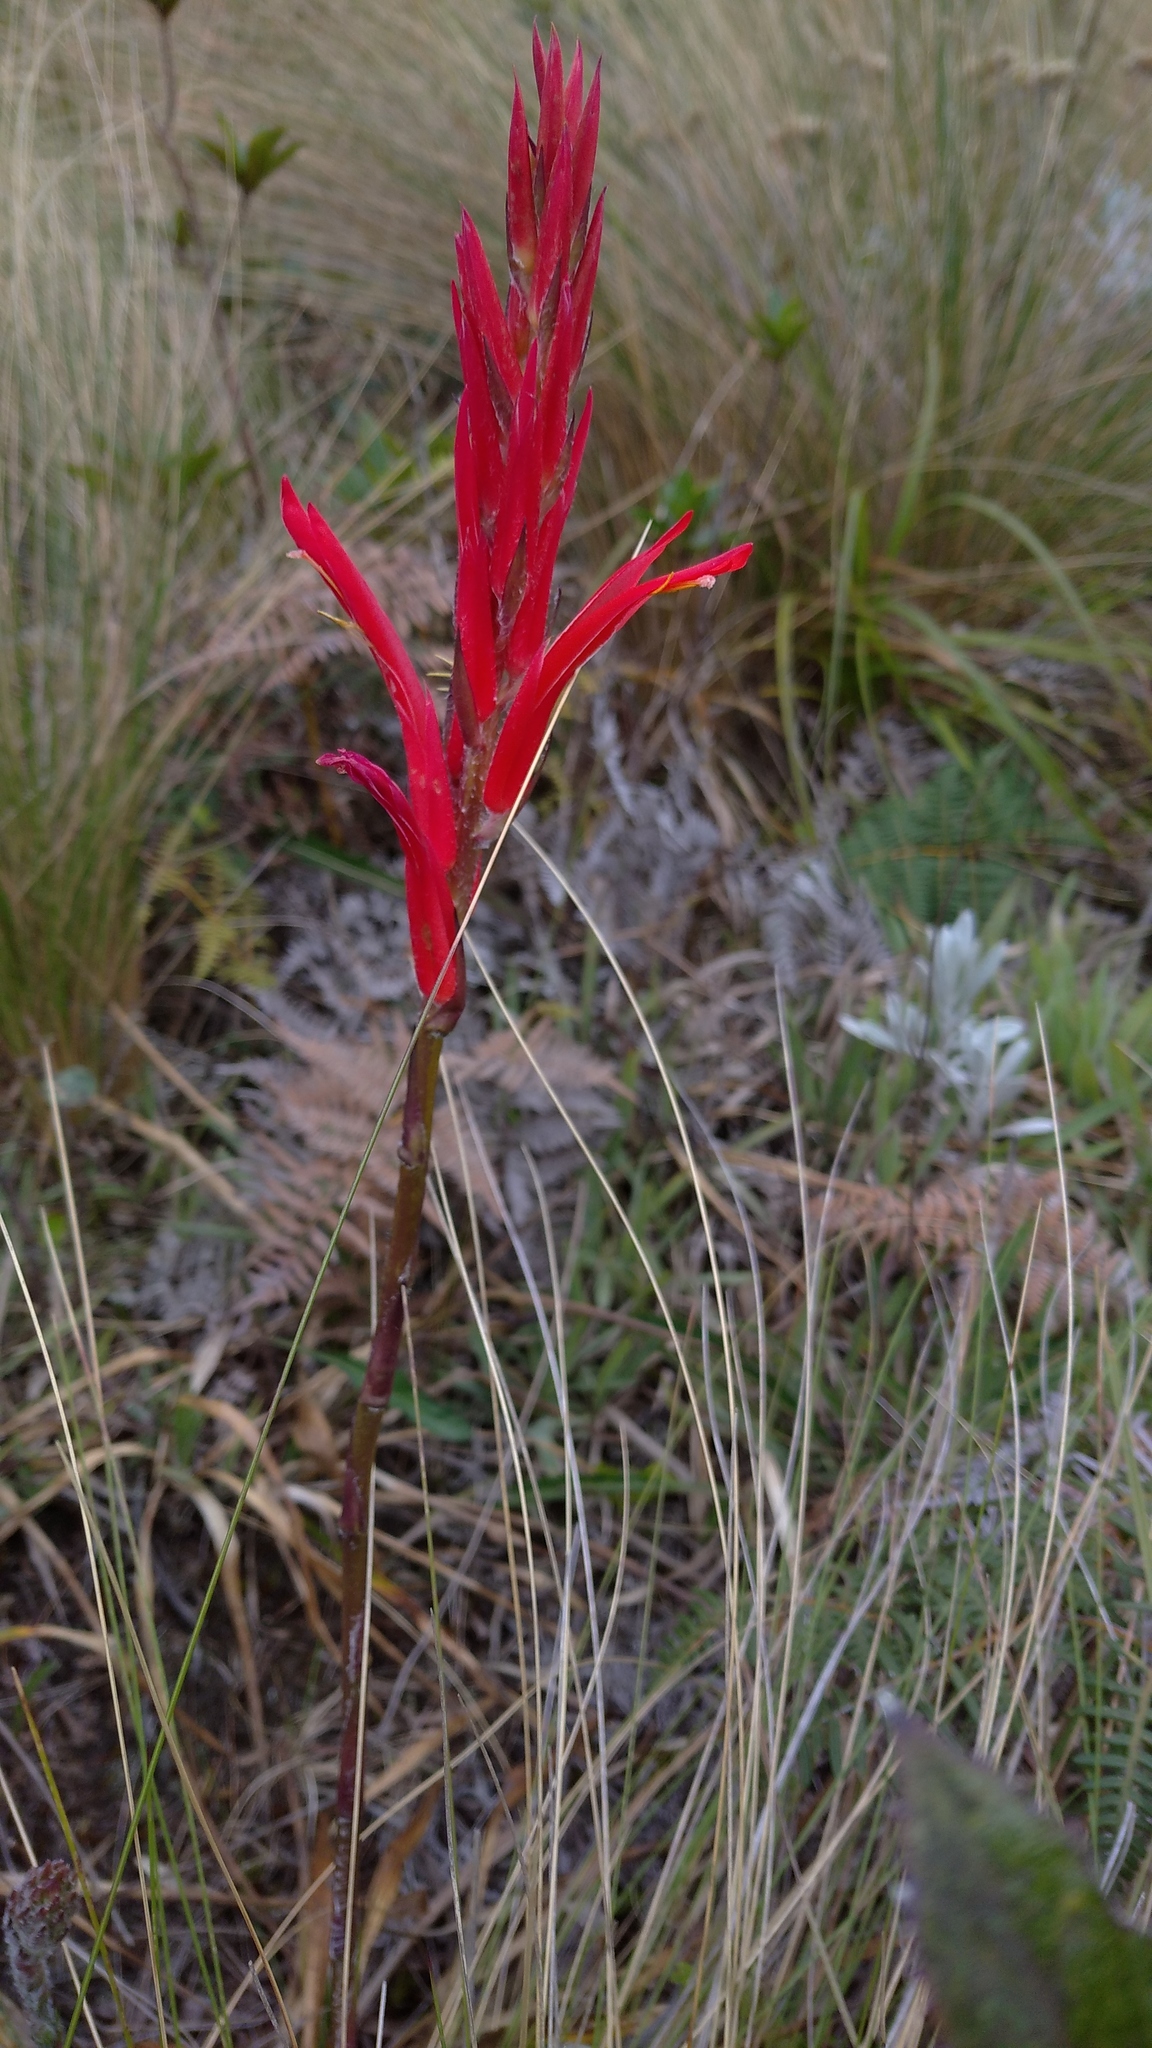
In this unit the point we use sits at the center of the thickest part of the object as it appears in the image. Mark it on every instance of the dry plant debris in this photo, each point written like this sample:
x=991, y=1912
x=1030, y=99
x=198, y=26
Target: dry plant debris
x=311, y=1115
x=291, y=629
x=961, y=1218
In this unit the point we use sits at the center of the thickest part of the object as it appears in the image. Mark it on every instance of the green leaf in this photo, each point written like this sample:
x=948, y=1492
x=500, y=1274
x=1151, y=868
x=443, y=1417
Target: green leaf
x=318, y=854
x=843, y=565
x=185, y=1424
x=921, y=447
x=780, y=324
x=442, y=1419
x=249, y=164
x=1018, y=1945
x=437, y=1418
x=1061, y=583
x=988, y=700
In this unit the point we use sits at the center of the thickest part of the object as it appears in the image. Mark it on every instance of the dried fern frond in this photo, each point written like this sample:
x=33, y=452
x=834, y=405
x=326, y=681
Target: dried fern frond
x=958, y=1218
x=312, y=1113
x=291, y=632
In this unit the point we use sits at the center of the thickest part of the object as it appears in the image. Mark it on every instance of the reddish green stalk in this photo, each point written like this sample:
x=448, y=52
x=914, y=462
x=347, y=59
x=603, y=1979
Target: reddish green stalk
x=355, y=1534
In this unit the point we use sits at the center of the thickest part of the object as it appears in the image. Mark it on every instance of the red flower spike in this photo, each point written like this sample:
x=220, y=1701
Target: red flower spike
x=419, y=725
x=619, y=599
x=431, y=916
x=517, y=460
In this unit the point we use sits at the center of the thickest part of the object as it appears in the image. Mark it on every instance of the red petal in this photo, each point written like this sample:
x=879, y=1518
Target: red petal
x=521, y=477
x=474, y=622
x=483, y=429
x=466, y=467
x=482, y=301
x=556, y=395
x=584, y=282
x=574, y=90
x=620, y=598
x=704, y=572
x=521, y=209
x=584, y=152
x=555, y=227
x=617, y=601
x=431, y=916
x=419, y=726
x=532, y=619
x=550, y=81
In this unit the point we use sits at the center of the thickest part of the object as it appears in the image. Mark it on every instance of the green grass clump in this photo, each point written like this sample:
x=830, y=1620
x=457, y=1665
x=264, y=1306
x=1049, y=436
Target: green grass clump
x=98, y=410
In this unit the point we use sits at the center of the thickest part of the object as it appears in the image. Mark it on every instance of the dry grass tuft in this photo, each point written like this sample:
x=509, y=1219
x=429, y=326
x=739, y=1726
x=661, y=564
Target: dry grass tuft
x=965, y=235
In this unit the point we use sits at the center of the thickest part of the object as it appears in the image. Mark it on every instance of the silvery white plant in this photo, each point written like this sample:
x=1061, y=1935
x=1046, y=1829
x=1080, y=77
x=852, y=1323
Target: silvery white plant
x=983, y=1061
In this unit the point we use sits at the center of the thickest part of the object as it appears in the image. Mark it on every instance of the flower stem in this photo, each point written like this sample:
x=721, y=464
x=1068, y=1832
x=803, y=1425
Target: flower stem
x=355, y=1534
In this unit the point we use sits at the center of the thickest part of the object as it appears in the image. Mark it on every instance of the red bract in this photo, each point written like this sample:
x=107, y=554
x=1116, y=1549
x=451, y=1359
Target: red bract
x=419, y=726
x=431, y=912
x=519, y=446
x=616, y=601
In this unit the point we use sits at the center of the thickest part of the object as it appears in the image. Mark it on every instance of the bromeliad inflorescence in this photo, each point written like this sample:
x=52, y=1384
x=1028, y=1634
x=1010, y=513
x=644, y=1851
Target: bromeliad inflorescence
x=518, y=452
x=519, y=447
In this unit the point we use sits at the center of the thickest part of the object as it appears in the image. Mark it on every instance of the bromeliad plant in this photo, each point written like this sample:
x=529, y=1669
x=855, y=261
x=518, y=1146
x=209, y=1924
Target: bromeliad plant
x=519, y=447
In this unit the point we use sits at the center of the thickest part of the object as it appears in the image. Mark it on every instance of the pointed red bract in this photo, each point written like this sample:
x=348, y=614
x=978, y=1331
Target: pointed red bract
x=431, y=917
x=617, y=601
x=555, y=229
x=419, y=725
x=550, y=82
x=520, y=213
x=482, y=302
x=584, y=282
x=584, y=154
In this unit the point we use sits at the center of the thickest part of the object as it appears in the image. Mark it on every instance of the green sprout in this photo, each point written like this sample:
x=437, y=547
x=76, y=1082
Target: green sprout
x=250, y=164
x=781, y=323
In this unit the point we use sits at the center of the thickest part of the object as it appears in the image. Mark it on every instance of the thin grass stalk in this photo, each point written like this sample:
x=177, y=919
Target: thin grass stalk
x=127, y=1660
